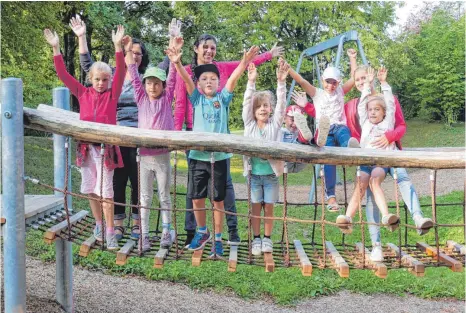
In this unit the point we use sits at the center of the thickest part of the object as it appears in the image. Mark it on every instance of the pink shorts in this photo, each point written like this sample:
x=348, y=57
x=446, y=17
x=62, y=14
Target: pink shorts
x=90, y=175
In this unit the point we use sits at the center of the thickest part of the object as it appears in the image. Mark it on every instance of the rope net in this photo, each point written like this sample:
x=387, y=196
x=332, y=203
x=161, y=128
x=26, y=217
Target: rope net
x=300, y=247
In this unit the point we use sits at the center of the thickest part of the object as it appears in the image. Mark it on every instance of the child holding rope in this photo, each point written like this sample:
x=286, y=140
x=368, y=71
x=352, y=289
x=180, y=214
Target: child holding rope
x=154, y=95
x=211, y=115
x=329, y=102
x=258, y=108
x=97, y=104
x=376, y=116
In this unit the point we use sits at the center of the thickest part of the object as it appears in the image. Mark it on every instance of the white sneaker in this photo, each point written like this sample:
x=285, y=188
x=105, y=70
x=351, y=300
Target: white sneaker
x=267, y=245
x=145, y=243
x=112, y=243
x=377, y=253
x=256, y=246
x=301, y=125
x=345, y=223
x=353, y=143
x=324, y=128
x=391, y=221
x=167, y=238
x=423, y=224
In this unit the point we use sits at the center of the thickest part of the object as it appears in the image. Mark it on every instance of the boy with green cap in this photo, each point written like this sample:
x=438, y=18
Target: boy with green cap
x=154, y=95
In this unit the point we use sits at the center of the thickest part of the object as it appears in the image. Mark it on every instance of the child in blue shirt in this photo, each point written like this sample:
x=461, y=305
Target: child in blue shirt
x=210, y=115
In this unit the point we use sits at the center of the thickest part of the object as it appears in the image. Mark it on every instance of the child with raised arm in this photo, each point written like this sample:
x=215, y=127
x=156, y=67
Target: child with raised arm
x=154, y=95
x=329, y=102
x=210, y=115
x=97, y=104
x=259, y=123
x=376, y=116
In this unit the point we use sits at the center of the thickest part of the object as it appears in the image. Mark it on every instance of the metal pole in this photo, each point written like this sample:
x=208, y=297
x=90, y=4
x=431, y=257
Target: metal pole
x=14, y=260
x=63, y=249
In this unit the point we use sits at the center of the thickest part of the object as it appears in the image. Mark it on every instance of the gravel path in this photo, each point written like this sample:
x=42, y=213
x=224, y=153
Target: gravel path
x=97, y=292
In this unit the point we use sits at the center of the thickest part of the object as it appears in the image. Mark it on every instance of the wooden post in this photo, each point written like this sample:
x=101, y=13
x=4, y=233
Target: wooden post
x=304, y=263
x=417, y=268
x=337, y=260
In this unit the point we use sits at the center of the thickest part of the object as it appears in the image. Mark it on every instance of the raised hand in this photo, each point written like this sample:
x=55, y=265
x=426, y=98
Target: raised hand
x=282, y=70
x=176, y=42
x=174, y=28
x=277, y=51
x=299, y=98
x=249, y=55
x=78, y=26
x=352, y=53
x=127, y=42
x=118, y=35
x=174, y=55
x=51, y=37
x=252, y=72
x=370, y=75
x=382, y=74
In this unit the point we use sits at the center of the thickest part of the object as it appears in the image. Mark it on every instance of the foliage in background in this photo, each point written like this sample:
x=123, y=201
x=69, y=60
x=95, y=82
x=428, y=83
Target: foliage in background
x=426, y=60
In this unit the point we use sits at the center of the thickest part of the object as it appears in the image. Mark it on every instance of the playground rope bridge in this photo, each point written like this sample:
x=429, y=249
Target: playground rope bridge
x=61, y=225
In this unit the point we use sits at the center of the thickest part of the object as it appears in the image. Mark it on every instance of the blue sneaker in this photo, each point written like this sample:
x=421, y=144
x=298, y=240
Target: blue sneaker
x=218, y=249
x=98, y=232
x=199, y=241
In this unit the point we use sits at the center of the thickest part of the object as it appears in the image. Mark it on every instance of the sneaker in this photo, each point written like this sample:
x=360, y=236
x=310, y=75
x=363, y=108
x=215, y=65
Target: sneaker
x=377, y=253
x=199, y=241
x=98, y=232
x=345, y=223
x=267, y=245
x=167, y=239
x=391, y=221
x=112, y=243
x=134, y=234
x=218, y=249
x=423, y=224
x=256, y=246
x=189, y=237
x=233, y=238
x=145, y=243
x=353, y=143
x=301, y=125
x=322, y=134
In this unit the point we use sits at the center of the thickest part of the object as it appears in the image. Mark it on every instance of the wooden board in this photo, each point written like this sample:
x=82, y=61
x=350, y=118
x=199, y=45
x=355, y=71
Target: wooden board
x=86, y=246
x=36, y=204
x=337, y=260
x=197, y=257
x=304, y=263
x=62, y=122
x=233, y=258
x=380, y=269
x=417, y=267
x=456, y=247
x=122, y=254
x=160, y=258
x=50, y=234
x=269, y=262
x=455, y=266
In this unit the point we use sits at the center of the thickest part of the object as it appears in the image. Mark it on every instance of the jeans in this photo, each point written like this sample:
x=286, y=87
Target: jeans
x=338, y=136
x=120, y=180
x=229, y=202
x=264, y=188
x=408, y=193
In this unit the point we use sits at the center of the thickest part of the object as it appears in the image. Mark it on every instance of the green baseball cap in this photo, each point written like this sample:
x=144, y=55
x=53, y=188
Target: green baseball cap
x=155, y=72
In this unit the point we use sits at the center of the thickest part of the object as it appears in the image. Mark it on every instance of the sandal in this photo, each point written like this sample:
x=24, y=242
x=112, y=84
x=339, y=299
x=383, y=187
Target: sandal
x=333, y=207
x=121, y=233
x=135, y=235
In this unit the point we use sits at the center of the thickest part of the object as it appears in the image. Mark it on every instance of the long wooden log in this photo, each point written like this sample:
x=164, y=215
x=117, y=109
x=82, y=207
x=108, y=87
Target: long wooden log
x=337, y=260
x=305, y=264
x=61, y=122
x=52, y=232
x=455, y=266
x=417, y=267
x=380, y=269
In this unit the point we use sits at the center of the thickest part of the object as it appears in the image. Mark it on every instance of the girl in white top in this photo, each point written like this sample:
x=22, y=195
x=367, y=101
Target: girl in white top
x=376, y=116
x=259, y=123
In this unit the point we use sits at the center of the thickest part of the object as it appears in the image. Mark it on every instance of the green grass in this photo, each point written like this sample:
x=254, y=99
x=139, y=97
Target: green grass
x=285, y=286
